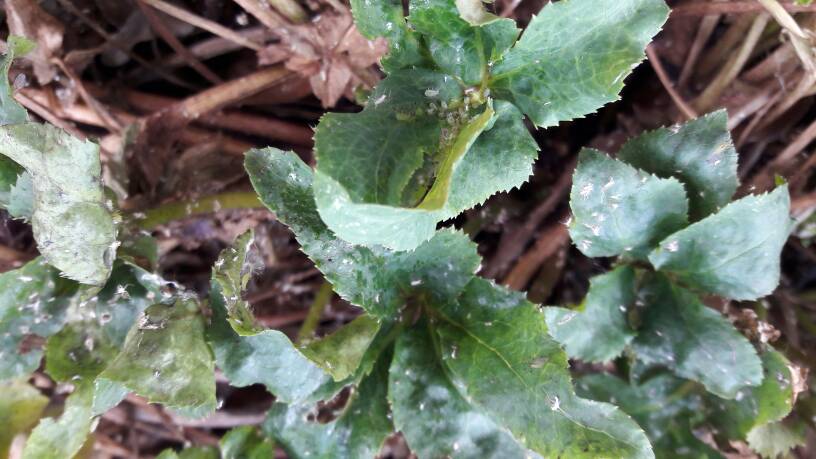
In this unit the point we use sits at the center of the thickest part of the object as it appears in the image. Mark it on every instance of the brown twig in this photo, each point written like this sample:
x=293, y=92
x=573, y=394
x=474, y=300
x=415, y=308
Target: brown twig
x=40, y=109
x=549, y=242
x=737, y=7
x=206, y=24
x=654, y=60
x=230, y=92
x=111, y=123
x=110, y=41
x=267, y=16
x=158, y=25
x=731, y=70
x=704, y=31
x=32, y=98
x=237, y=121
x=514, y=241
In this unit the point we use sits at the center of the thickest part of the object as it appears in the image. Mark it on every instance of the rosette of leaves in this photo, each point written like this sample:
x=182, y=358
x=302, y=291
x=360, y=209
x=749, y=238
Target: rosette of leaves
x=461, y=366
x=445, y=129
x=664, y=208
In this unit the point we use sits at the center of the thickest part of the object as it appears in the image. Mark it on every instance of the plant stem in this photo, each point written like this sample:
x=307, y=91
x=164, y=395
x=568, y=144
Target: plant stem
x=315, y=312
x=169, y=212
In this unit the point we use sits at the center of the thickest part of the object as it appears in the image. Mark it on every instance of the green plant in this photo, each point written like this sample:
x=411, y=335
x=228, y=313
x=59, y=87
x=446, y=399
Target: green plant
x=663, y=209
x=461, y=366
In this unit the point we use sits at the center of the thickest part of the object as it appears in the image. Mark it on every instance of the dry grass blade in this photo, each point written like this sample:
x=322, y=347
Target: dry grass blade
x=160, y=28
x=654, y=60
x=202, y=23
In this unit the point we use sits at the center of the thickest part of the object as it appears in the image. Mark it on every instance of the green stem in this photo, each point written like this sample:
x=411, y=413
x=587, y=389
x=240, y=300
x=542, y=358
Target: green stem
x=171, y=211
x=309, y=326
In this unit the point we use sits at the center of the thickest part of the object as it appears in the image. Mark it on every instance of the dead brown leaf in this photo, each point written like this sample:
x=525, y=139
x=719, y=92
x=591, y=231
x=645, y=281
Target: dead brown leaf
x=27, y=18
x=331, y=53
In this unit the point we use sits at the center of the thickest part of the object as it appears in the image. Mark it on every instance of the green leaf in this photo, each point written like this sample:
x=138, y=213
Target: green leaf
x=384, y=18
x=380, y=344
x=34, y=301
x=21, y=197
x=662, y=405
x=359, y=431
x=232, y=272
x=20, y=408
x=733, y=253
x=618, y=209
x=245, y=352
x=378, y=280
x=678, y=331
x=574, y=56
x=267, y=357
x=98, y=327
x=456, y=46
x=598, y=331
x=63, y=437
x=12, y=112
x=340, y=353
x=129, y=291
x=775, y=439
x=383, y=175
x=435, y=419
x=166, y=359
x=245, y=442
x=81, y=350
x=496, y=346
x=757, y=406
x=9, y=171
x=699, y=153
x=72, y=224
x=387, y=175
x=464, y=177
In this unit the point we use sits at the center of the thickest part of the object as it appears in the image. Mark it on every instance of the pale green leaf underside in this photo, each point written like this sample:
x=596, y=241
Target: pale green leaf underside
x=21, y=197
x=358, y=432
x=166, y=359
x=678, y=331
x=573, y=57
x=501, y=358
x=699, y=153
x=733, y=253
x=74, y=229
x=598, y=330
x=620, y=210
x=373, y=278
